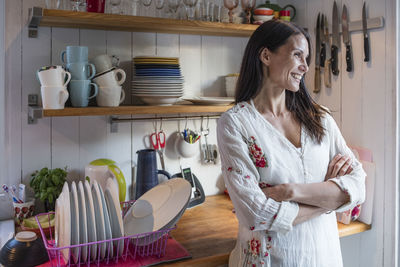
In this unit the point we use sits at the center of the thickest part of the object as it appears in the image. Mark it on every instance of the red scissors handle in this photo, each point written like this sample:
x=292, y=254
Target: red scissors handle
x=161, y=139
x=155, y=140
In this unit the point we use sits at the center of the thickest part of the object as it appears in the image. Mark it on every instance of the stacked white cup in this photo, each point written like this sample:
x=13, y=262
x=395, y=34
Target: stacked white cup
x=53, y=81
x=109, y=80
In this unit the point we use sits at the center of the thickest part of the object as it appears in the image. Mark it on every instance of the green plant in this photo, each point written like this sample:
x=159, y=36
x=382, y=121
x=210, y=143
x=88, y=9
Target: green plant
x=48, y=183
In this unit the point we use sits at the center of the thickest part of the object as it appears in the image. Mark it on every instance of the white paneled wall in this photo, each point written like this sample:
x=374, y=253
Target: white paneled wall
x=359, y=101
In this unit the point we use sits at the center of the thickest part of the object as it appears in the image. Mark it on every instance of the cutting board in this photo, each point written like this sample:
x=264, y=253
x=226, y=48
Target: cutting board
x=367, y=206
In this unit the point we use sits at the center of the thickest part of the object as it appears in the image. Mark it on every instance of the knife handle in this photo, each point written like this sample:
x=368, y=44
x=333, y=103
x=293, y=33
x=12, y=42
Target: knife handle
x=349, y=61
x=323, y=55
x=366, y=48
x=317, y=80
x=334, y=60
x=327, y=73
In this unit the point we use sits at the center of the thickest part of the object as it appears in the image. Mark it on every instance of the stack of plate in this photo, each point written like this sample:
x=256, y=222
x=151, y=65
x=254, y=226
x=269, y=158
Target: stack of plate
x=157, y=80
x=87, y=214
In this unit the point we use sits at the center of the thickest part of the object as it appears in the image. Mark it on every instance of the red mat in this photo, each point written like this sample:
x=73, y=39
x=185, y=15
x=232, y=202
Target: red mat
x=173, y=252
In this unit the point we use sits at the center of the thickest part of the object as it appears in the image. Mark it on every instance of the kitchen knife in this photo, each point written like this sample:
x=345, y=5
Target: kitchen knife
x=346, y=39
x=335, y=40
x=322, y=36
x=366, y=38
x=317, y=77
x=327, y=64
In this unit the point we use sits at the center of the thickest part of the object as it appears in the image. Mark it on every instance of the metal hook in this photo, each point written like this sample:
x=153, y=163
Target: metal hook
x=161, y=125
x=155, y=125
x=208, y=120
x=201, y=124
x=186, y=122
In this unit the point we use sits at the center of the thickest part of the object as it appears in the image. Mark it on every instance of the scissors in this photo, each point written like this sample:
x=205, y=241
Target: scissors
x=157, y=139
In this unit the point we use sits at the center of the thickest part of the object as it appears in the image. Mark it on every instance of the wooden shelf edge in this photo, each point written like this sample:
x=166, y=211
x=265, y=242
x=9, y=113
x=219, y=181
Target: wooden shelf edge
x=135, y=110
x=352, y=228
x=89, y=20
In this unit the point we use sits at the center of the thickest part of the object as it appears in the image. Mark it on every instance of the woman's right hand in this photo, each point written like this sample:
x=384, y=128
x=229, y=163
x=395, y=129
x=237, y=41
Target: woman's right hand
x=339, y=166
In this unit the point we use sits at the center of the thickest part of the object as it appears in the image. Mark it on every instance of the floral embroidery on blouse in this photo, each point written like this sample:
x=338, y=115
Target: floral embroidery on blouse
x=264, y=185
x=254, y=247
x=256, y=153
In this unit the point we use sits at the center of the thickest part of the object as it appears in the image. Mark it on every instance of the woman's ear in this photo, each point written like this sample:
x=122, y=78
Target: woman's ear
x=265, y=56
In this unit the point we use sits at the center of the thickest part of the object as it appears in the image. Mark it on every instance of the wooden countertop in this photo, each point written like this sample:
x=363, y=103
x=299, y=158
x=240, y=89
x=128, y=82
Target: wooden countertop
x=209, y=232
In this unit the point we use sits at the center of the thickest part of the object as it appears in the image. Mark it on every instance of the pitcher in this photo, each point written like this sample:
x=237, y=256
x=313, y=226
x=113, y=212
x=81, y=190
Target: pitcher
x=147, y=172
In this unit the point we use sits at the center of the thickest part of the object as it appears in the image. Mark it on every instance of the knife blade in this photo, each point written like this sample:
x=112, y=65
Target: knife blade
x=346, y=39
x=322, y=37
x=335, y=40
x=365, y=33
x=317, y=77
x=327, y=65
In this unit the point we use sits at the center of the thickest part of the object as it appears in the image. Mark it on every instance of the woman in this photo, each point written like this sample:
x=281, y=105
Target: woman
x=284, y=161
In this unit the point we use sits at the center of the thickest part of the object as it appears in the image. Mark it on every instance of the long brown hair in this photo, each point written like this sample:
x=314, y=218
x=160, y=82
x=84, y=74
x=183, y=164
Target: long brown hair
x=272, y=35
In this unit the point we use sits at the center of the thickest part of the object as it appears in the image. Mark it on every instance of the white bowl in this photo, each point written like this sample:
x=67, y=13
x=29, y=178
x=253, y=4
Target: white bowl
x=262, y=17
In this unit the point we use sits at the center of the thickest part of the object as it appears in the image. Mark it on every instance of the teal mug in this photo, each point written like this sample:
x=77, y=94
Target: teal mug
x=74, y=54
x=81, y=70
x=79, y=92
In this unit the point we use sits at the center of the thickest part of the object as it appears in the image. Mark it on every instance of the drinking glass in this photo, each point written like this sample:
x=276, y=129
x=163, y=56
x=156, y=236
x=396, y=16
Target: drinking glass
x=115, y=6
x=146, y=4
x=135, y=7
x=173, y=5
x=231, y=5
x=53, y=4
x=76, y=5
x=159, y=7
x=247, y=6
x=189, y=5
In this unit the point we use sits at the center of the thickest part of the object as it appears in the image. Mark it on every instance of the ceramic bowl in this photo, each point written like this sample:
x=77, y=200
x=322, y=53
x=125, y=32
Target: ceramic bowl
x=262, y=17
x=25, y=249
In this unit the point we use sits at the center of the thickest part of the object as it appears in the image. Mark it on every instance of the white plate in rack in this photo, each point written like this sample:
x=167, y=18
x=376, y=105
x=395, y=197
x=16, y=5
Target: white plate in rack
x=83, y=233
x=107, y=224
x=99, y=215
x=65, y=239
x=74, y=221
x=91, y=223
x=158, y=207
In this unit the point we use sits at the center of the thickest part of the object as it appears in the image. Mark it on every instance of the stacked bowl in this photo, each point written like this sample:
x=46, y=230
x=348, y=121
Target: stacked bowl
x=109, y=78
x=80, y=86
x=157, y=80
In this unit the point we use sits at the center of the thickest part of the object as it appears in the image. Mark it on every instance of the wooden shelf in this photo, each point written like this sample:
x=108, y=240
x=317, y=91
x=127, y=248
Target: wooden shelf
x=89, y=20
x=135, y=110
x=209, y=232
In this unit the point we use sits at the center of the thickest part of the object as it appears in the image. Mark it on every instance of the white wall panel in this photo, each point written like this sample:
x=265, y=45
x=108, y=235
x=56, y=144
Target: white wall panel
x=35, y=138
x=190, y=60
x=211, y=66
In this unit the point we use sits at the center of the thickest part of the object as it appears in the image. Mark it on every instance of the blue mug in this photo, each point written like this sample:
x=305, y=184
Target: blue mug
x=79, y=92
x=74, y=54
x=147, y=172
x=81, y=70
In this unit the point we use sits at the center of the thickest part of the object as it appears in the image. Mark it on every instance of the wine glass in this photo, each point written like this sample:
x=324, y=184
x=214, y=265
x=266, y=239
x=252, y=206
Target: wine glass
x=146, y=4
x=115, y=6
x=231, y=5
x=76, y=5
x=189, y=5
x=159, y=7
x=173, y=5
x=247, y=6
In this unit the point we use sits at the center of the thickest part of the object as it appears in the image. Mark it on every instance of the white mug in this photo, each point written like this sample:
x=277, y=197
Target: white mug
x=54, y=97
x=53, y=76
x=110, y=96
x=110, y=79
x=105, y=62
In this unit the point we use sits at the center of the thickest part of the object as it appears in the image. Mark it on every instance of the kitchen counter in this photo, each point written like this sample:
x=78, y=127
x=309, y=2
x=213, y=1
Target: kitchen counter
x=209, y=232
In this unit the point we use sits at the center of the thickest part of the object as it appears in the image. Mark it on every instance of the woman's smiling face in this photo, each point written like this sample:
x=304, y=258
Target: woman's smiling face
x=287, y=65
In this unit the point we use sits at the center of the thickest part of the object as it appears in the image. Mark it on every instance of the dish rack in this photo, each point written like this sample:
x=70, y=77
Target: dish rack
x=139, y=245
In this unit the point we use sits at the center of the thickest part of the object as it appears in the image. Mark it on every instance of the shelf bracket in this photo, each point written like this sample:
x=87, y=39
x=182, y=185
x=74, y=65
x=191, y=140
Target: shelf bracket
x=34, y=110
x=35, y=16
x=113, y=124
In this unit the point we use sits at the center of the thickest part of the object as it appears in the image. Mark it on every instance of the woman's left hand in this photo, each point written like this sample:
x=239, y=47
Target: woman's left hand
x=280, y=192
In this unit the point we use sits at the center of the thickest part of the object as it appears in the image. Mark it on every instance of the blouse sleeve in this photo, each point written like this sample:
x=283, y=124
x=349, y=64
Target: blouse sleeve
x=253, y=209
x=353, y=183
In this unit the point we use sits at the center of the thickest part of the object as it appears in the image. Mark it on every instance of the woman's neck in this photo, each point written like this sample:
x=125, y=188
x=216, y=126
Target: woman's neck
x=271, y=101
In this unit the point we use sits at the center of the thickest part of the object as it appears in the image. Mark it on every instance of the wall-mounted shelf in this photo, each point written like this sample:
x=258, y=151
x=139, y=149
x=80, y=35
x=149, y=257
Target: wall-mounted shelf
x=88, y=20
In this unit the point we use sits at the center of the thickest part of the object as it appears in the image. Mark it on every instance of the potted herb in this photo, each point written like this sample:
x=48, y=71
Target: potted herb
x=47, y=184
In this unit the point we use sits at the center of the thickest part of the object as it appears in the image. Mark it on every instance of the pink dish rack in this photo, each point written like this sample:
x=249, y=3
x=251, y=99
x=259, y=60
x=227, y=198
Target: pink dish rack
x=140, y=245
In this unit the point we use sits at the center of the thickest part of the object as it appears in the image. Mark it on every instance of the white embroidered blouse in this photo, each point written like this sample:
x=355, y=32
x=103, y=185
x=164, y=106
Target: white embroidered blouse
x=254, y=155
